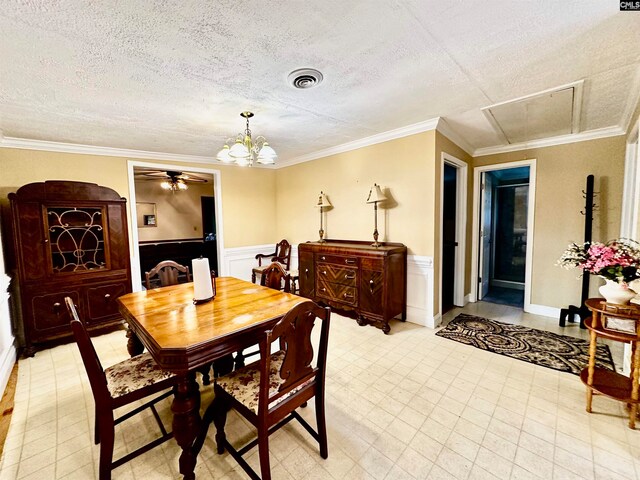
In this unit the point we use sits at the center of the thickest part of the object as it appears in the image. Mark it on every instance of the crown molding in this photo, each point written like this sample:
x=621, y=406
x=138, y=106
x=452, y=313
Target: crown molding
x=445, y=129
x=549, y=142
x=420, y=127
x=61, y=147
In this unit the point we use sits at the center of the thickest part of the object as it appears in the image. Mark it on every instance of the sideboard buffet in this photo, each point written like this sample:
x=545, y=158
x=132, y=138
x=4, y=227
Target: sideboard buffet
x=355, y=276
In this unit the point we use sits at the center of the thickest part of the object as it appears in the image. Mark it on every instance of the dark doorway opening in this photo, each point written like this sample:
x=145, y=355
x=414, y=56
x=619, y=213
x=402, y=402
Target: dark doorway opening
x=449, y=243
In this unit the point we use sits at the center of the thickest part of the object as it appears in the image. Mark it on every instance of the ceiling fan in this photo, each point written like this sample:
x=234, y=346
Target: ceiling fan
x=171, y=179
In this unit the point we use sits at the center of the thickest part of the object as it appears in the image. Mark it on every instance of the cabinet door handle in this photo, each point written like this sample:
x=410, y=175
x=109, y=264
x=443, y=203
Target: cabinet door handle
x=306, y=272
x=348, y=295
x=323, y=289
x=323, y=258
x=371, y=285
x=107, y=296
x=349, y=261
x=324, y=272
x=56, y=308
x=349, y=277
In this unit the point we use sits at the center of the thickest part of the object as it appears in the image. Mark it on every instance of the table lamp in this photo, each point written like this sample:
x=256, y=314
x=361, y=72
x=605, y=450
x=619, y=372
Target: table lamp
x=375, y=196
x=323, y=202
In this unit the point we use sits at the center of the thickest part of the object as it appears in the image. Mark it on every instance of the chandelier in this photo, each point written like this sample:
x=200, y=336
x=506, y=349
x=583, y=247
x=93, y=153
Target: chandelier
x=245, y=151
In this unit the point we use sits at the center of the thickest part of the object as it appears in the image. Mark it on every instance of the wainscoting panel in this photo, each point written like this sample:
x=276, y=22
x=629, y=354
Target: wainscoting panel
x=7, y=347
x=420, y=291
x=238, y=262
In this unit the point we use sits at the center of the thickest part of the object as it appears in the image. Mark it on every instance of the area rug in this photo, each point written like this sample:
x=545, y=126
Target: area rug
x=560, y=352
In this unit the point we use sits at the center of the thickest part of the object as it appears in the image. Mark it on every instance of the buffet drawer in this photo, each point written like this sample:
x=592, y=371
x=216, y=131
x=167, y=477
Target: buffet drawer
x=337, y=292
x=334, y=274
x=337, y=259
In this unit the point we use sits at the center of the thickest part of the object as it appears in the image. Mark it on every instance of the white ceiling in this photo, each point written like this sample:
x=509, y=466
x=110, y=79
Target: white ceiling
x=173, y=76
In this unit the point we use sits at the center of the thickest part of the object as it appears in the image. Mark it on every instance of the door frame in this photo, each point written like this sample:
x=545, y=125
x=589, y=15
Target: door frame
x=461, y=227
x=475, y=233
x=134, y=247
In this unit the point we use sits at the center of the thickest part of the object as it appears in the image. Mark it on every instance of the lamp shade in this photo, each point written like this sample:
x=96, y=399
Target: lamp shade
x=375, y=194
x=223, y=155
x=239, y=150
x=323, y=201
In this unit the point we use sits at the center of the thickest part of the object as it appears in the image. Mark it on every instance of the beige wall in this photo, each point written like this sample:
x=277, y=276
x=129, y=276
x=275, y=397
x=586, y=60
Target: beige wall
x=248, y=194
x=561, y=173
x=178, y=215
x=403, y=167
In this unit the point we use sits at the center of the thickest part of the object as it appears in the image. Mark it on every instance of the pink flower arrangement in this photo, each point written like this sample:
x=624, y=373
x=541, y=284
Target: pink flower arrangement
x=617, y=260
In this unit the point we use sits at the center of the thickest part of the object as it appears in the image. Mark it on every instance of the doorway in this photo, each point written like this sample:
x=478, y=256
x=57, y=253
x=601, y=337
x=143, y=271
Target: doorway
x=505, y=195
x=181, y=223
x=503, y=233
x=453, y=231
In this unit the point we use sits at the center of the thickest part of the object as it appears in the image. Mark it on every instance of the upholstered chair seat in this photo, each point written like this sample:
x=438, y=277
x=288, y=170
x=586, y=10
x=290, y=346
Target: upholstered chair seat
x=244, y=384
x=133, y=374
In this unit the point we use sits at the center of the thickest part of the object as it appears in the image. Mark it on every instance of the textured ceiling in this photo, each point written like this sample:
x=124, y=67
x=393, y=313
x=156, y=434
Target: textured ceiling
x=173, y=76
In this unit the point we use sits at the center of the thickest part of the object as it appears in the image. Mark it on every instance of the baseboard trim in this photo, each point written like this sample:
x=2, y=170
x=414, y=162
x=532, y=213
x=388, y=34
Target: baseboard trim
x=542, y=310
x=6, y=365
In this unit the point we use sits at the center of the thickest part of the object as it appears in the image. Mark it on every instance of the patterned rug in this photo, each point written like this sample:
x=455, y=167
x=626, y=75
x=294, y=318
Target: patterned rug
x=560, y=352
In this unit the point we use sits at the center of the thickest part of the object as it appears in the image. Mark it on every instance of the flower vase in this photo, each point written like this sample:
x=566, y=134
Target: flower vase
x=613, y=292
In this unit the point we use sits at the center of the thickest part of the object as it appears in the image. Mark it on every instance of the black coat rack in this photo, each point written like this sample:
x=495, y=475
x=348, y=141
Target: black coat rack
x=572, y=310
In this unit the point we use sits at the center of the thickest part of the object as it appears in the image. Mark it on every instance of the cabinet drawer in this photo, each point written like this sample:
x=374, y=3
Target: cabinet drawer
x=50, y=312
x=337, y=292
x=101, y=300
x=334, y=274
x=369, y=263
x=337, y=259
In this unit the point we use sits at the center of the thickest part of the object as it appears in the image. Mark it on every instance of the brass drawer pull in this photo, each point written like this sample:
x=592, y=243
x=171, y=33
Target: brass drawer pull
x=347, y=277
x=323, y=258
x=323, y=289
x=107, y=296
x=348, y=295
x=56, y=308
x=324, y=272
x=371, y=285
x=349, y=261
x=306, y=272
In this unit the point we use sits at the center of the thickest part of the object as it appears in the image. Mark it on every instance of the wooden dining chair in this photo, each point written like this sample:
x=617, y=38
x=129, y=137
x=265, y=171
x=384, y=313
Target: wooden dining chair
x=275, y=276
x=167, y=273
x=282, y=254
x=269, y=391
x=121, y=384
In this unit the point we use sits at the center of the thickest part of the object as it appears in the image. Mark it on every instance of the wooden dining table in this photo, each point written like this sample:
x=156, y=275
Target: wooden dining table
x=182, y=337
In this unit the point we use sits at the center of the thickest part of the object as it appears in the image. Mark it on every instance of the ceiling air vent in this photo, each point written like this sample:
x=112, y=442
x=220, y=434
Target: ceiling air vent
x=305, y=78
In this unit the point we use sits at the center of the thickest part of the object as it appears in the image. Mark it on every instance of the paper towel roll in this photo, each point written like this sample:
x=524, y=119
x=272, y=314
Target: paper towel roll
x=202, y=288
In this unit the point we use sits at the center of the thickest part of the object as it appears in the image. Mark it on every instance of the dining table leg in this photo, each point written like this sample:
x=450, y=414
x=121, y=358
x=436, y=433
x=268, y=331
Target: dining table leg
x=134, y=345
x=186, y=421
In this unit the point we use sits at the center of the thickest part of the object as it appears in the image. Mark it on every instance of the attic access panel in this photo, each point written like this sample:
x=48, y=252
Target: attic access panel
x=546, y=114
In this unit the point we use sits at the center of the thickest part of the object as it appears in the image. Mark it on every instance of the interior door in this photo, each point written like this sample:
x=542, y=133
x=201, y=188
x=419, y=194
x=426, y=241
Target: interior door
x=485, y=234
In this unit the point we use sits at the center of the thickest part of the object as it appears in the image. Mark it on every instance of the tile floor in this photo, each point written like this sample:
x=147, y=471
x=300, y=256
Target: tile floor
x=408, y=405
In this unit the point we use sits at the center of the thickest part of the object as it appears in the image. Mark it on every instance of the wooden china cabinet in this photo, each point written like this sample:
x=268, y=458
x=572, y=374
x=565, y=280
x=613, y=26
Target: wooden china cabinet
x=70, y=239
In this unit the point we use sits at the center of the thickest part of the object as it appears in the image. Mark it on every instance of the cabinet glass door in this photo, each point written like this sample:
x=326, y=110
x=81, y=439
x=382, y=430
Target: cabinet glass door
x=76, y=238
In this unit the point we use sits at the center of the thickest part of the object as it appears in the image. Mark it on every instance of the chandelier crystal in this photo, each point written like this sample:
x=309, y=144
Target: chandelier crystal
x=245, y=151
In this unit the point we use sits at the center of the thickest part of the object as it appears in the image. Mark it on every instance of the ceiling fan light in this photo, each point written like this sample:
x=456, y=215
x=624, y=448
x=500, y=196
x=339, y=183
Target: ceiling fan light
x=223, y=155
x=181, y=185
x=166, y=185
x=239, y=150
